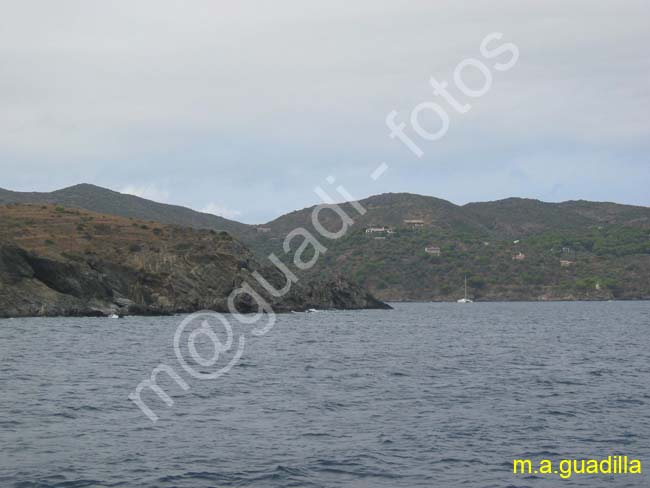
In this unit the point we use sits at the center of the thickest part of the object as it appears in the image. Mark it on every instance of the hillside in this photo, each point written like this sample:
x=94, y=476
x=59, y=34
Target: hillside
x=58, y=261
x=563, y=251
x=517, y=217
x=604, y=246
x=389, y=209
x=102, y=200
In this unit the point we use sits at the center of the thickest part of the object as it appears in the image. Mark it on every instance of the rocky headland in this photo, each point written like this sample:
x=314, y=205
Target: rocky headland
x=56, y=261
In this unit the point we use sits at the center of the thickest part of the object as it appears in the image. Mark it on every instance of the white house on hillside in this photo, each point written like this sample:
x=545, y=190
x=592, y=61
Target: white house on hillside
x=434, y=250
x=377, y=230
x=414, y=223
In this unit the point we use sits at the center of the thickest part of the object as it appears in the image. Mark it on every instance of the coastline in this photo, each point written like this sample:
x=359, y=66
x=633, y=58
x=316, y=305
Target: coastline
x=389, y=306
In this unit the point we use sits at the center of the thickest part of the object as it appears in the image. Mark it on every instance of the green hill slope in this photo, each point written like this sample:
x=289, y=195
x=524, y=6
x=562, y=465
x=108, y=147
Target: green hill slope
x=571, y=250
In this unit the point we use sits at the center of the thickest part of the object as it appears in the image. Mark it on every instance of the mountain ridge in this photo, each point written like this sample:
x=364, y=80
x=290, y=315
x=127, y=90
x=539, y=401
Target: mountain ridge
x=81, y=194
x=103, y=200
x=510, y=249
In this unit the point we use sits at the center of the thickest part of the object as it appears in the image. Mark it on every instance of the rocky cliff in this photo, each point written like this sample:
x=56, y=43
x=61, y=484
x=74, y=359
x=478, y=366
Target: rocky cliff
x=56, y=261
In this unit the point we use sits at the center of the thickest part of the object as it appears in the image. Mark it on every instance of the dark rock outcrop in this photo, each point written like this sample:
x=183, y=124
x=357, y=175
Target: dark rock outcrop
x=118, y=266
x=35, y=286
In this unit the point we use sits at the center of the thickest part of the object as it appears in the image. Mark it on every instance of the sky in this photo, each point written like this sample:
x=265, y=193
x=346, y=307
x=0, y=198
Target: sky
x=242, y=108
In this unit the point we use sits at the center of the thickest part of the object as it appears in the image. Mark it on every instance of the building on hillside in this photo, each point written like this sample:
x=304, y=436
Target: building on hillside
x=414, y=223
x=377, y=230
x=433, y=250
x=519, y=257
x=263, y=230
x=565, y=263
x=568, y=255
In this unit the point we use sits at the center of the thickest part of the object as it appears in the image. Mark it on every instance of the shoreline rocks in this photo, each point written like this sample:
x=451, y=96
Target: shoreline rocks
x=32, y=285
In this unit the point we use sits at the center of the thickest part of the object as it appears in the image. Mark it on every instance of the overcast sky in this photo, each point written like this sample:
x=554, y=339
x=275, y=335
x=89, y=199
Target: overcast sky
x=242, y=108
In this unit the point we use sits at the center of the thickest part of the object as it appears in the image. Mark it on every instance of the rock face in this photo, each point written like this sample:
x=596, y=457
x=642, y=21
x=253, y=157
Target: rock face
x=338, y=293
x=57, y=262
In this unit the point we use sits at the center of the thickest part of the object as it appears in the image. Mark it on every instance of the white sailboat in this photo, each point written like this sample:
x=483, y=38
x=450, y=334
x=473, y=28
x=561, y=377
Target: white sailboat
x=465, y=300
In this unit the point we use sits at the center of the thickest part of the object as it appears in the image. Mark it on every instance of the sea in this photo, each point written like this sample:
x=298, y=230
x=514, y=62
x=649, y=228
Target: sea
x=425, y=395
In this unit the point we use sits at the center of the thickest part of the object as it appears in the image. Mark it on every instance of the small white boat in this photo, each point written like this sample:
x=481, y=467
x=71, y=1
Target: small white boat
x=311, y=310
x=466, y=299
x=113, y=316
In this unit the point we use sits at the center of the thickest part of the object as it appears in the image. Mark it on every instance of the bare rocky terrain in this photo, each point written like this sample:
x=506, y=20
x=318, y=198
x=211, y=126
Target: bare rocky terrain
x=56, y=261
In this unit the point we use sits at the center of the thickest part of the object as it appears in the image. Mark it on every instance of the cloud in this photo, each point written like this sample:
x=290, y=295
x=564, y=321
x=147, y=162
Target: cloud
x=260, y=98
x=150, y=192
x=221, y=211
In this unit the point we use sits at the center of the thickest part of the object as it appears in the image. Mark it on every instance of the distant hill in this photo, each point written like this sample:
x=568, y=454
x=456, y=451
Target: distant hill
x=514, y=249
x=389, y=209
x=502, y=218
x=569, y=250
x=102, y=200
x=519, y=216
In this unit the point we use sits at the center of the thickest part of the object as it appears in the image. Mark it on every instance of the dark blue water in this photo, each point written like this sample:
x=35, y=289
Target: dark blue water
x=428, y=395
